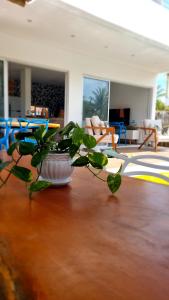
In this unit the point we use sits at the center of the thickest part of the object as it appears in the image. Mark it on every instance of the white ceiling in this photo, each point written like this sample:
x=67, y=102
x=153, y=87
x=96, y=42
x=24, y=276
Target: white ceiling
x=38, y=74
x=71, y=29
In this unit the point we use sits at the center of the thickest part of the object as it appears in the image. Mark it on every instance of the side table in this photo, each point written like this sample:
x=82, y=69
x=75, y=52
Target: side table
x=131, y=135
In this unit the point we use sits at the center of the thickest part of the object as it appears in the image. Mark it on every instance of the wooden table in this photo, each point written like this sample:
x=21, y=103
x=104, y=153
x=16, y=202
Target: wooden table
x=81, y=243
x=15, y=124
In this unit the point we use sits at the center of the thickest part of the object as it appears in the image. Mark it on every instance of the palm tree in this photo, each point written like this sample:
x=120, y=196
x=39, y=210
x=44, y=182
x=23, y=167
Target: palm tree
x=99, y=102
x=160, y=105
x=160, y=92
x=88, y=108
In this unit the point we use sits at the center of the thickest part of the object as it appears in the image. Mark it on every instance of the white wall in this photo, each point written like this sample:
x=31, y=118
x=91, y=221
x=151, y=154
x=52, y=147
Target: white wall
x=26, y=85
x=138, y=99
x=42, y=54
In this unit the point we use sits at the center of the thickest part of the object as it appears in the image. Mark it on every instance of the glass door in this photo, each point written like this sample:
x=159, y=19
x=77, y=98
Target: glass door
x=95, y=98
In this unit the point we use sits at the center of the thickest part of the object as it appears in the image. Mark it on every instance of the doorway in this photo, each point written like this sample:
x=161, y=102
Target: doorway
x=36, y=92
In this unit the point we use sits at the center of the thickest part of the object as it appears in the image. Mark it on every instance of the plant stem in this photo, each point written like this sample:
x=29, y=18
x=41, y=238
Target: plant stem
x=6, y=179
x=96, y=175
x=39, y=172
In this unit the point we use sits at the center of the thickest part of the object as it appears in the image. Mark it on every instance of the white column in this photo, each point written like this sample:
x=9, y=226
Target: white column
x=73, y=97
x=6, y=102
x=26, y=84
x=153, y=102
x=167, y=86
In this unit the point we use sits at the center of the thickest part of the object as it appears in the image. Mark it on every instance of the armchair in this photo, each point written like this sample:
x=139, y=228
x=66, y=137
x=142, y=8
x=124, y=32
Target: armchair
x=152, y=132
x=97, y=128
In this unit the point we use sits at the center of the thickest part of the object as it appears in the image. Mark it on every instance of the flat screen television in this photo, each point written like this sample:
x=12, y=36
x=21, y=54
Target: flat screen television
x=119, y=115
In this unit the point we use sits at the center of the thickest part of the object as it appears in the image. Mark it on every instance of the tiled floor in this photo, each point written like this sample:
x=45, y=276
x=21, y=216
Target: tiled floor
x=134, y=149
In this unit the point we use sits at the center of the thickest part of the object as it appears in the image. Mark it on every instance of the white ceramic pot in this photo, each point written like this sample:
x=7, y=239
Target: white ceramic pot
x=57, y=169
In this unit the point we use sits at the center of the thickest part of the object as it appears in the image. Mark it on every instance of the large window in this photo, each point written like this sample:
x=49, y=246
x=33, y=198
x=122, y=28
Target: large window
x=95, y=98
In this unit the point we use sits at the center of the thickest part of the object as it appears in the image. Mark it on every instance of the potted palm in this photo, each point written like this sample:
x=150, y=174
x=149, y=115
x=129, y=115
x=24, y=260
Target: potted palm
x=54, y=154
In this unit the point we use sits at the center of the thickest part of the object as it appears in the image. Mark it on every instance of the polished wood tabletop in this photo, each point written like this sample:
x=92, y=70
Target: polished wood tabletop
x=79, y=242
x=16, y=124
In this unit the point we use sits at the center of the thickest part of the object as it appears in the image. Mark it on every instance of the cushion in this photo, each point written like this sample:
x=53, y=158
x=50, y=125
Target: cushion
x=108, y=138
x=153, y=124
x=163, y=138
x=158, y=125
x=102, y=124
x=146, y=123
x=96, y=122
x=88, y=123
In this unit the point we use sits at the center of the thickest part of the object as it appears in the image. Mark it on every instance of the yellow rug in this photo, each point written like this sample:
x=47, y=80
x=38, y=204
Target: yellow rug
x=154, y=179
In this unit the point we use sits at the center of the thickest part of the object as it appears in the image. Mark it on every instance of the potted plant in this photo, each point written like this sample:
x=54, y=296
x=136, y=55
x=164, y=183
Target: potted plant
x=53, y=150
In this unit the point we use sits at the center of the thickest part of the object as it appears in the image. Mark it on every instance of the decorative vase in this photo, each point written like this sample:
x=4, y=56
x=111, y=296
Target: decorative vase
x=57, y=169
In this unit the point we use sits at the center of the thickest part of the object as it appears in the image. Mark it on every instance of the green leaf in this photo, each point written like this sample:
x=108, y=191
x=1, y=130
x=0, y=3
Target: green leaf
x=77, y=136
x=3, y=165
x=40, y=133
x=89, y=141
x=98, y=160
x=38, y=157
x=65, y=144
x=73, y=150
x=50, y=134
x=39, y=185
x=81, y=161
x=11, y=148
x=22, y=173
x=68, y=128
x=26, y=148
x=114, y=182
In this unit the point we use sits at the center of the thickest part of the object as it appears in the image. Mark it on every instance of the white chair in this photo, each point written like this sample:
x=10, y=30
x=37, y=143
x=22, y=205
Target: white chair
x=152, y=133
x=160, y=163
x=156, y=166
x=97, y=128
